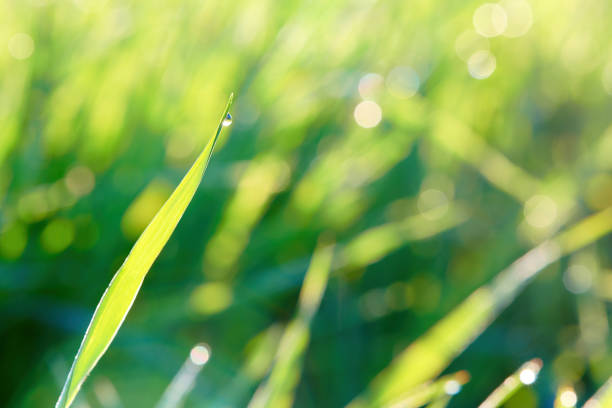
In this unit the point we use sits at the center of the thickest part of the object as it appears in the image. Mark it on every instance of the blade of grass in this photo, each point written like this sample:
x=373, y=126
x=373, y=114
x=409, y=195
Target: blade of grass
x=456, y=137
x=260, y=351
x=377, y=242
x=431, y=353
x=366, y=248
x=121, y=293
x=566, y=397
x=432, y=391
x=185, y=378
x=602, y=398
x=278, y=390
x=525, y=375
x=106, y=393
x=441, y=402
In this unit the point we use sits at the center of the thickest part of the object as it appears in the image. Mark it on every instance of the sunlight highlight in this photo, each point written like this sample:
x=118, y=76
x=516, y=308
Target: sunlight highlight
x=519, y=16
x=568, y=398
x=369, y=85
x=403, y=82
x=367, y=114
x=490, y=20
x=21, y=46
x=481, y=64
x=540, y=211
x=200, y=354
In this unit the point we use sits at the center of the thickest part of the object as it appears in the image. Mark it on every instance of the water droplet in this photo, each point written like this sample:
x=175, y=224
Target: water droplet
x=367, y=114
x=200, y=354
x=528, y=376
x=228, y=120
x=452, y=387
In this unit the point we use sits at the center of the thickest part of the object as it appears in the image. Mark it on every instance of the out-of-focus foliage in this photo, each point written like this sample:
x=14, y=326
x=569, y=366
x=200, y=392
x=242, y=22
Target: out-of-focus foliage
x=279, y=390
x=437, y=141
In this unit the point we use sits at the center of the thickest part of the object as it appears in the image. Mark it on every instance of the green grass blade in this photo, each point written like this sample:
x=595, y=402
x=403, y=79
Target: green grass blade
x=566, y=397
x=184, y=380
x=525, y=375
x=432, y=392
x=431, y=353
x=377, y=242
x=278, y=390
x=260, y=354
x=120, y=294
x=441, y=402
x=602, y=398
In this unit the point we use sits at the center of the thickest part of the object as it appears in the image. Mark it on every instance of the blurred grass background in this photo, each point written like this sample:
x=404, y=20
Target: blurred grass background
x=437, y=141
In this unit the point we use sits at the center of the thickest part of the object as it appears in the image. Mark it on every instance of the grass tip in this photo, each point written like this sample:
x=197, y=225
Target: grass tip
x=537, y=362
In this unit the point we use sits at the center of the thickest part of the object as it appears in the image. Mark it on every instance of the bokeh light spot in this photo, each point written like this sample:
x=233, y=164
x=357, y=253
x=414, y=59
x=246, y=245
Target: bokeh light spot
x=399, y=295
x=470, y=42
x=180, y=147
x=568, y=398
x=210, y=298
x=452, y=387
x=80, y=180
x=369, y=85
x=21, y=46
x=519, y=15
x=200, y=354
x=432, y=204
x=13, y=240
x=540, y=211
x=528, y=376
x=57, y=235
x=403, y=82
x=481, y=64
x=367, y=114
x=578, y=279
x=490, y=20
x=373, y=305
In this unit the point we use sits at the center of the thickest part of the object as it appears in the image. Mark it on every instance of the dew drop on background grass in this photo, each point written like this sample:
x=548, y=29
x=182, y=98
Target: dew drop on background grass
x=481, y=64
x=452, y=387
x=568, y=398
x=528, y=376
x=228, y=120
x=200, y=354
x=21, y=46
x=367, y=114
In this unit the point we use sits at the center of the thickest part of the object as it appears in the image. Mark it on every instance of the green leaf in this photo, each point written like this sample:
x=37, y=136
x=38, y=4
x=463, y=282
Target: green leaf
x=433, y=351
x=434, y=393
x=525, y=375
x=279, y=389
x=602, y=398
x=121, y=293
